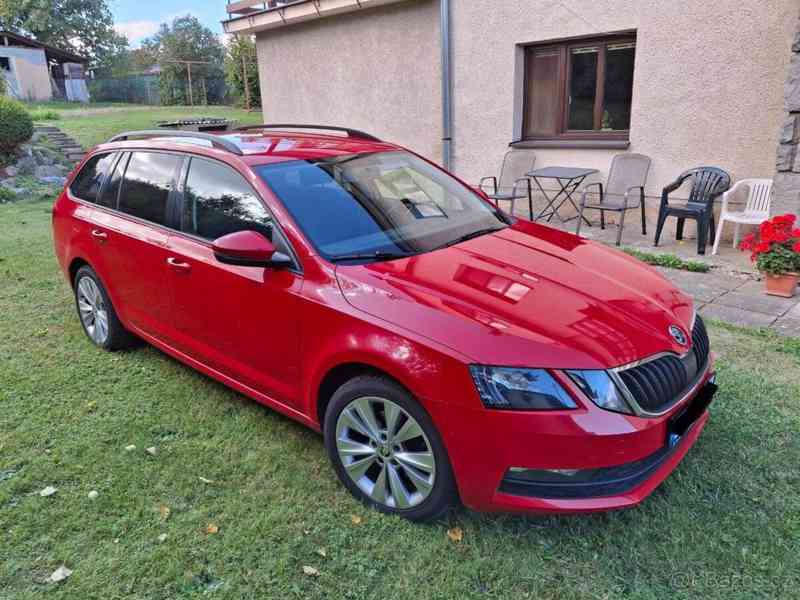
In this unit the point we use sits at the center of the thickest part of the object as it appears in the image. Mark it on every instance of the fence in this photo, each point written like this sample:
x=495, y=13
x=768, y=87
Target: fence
x=155, y=90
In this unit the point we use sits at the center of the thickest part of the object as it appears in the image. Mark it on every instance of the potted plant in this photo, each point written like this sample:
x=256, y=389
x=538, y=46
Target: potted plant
x=775, y=249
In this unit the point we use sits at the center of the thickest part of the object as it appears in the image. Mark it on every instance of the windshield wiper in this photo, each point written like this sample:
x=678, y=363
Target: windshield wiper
x=469, y=236
x=372, y=256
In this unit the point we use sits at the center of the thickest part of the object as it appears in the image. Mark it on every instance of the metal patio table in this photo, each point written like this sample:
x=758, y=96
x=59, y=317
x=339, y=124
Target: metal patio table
x=569, y=180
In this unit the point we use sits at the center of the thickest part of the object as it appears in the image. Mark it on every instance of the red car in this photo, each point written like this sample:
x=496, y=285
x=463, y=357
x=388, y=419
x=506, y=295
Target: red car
x=446, y=350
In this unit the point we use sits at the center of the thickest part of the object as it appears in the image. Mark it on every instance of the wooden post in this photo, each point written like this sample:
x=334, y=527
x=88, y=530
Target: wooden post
x=189, y=72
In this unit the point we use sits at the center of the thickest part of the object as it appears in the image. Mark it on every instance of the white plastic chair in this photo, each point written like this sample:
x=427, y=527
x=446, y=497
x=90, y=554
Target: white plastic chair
x=755, y=212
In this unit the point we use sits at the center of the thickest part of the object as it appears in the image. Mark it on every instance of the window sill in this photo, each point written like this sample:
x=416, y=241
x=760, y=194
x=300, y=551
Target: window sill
x=574, y=144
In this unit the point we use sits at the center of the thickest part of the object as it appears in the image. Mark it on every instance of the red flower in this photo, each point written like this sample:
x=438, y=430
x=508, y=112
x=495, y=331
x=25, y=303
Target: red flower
x=796, y=247
x=748, y=242
x=761, y=247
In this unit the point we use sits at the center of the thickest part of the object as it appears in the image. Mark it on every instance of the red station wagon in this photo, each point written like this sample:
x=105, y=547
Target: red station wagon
x=446, y=350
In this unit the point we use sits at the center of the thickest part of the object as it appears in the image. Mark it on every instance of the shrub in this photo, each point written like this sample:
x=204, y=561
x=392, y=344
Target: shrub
x=16, y=125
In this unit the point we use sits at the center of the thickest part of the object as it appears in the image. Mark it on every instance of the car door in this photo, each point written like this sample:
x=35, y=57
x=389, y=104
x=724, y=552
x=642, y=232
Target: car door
x=241, y=321
x=87, y=233
x=136, y=235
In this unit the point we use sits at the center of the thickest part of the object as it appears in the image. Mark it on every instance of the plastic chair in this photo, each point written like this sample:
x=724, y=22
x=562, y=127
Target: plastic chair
x=755, y=212
x=513, y=182
x=628, y=174
x=707, y=184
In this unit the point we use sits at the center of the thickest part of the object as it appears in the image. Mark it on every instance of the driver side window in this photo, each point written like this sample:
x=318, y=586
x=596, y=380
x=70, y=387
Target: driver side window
x=218, y=201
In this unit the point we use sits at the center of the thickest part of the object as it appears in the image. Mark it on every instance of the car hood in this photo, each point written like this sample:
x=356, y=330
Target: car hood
x=528, y=295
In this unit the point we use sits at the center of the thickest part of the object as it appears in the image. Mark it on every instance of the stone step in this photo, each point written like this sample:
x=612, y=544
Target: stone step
x=46, y=129
x=76, y=156
x=67, y=147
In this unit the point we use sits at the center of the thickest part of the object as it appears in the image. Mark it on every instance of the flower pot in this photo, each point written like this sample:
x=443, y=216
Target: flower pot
x=782, y=285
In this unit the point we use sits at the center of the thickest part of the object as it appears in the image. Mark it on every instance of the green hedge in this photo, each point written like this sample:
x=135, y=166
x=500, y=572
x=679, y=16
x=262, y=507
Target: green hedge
x=16, y=125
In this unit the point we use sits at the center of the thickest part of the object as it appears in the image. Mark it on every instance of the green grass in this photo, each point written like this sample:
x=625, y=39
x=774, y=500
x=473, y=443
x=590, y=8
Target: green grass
x=63, y=105
x=726, y=524
x=97, y=127
x=668, y=260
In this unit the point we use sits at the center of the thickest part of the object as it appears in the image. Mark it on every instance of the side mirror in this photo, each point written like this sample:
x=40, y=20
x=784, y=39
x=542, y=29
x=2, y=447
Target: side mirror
x=248, y=249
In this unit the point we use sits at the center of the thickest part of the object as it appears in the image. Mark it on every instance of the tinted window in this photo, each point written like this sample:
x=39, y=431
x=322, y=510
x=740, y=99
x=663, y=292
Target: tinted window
x=218, y=201
x=148, y=181
x=87, y=184
x=384, y=202
x=110, y=193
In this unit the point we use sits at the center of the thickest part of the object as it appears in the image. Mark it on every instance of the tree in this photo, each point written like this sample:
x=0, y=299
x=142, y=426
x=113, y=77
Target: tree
x=84, y=27
x=186, y=39
x=240, y=58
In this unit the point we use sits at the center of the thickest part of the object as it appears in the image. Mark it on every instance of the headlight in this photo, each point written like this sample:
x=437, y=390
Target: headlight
x=600, y=389
x=519, y=389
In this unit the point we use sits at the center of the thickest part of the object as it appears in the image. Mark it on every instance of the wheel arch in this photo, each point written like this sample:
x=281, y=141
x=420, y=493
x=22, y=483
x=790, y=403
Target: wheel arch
x=74, y=266
x=336, y=376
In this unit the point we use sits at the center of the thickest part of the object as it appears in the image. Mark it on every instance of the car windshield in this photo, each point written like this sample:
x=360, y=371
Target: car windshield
x=378, y=206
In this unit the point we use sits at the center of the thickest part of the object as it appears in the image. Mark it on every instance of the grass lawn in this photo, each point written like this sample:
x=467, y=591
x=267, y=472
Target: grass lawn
x=726, y=524
x=93, y=124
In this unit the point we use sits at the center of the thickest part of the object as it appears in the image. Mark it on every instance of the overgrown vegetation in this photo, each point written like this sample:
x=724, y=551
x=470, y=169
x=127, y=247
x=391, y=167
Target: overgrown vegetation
x=245, y=498
x=16, y=125
x=241, y=63
x=44, y=114
x=668, y=260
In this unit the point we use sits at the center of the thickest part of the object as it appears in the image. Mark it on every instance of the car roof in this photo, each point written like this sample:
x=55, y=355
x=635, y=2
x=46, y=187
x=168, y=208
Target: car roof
x=261, y=147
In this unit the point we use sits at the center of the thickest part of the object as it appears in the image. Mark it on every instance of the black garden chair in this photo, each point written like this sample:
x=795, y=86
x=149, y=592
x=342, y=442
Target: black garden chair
x=707, y=184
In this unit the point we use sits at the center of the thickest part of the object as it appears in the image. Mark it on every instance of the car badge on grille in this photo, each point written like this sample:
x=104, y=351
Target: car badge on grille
x=678, y=335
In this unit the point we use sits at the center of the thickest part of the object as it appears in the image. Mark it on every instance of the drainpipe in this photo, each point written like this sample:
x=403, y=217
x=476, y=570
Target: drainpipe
x=447, y=87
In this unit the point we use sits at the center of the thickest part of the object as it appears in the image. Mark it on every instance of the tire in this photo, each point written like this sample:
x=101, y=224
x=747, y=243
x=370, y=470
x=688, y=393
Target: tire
x=407, y=472
x=96, y=313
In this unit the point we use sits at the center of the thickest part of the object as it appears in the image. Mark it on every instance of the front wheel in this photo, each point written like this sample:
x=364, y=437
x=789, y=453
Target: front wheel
x=386, y=450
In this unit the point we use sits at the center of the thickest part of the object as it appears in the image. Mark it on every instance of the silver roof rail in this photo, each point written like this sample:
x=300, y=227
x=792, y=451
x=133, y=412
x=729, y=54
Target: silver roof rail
x=215, y=140
x=353, y=133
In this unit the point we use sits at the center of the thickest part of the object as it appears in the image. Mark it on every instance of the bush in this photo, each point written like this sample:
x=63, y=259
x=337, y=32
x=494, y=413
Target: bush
x=16, y=125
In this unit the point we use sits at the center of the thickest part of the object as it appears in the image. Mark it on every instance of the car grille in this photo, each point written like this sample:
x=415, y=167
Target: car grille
x=657, y=384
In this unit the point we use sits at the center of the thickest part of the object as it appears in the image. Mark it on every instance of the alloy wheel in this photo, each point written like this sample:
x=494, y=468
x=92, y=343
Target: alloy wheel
x=92, y=309
x=385, y=452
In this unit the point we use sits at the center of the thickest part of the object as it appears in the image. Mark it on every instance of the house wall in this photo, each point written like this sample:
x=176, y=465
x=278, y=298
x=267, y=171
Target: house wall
x=29, y=67
x=376, y=69
x=708, y=80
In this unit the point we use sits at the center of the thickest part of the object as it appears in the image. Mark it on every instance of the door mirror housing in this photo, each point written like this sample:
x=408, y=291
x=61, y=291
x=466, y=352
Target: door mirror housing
x=248, y=249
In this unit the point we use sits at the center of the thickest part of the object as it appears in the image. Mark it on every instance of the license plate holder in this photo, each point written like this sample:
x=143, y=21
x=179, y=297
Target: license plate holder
x=680, y=423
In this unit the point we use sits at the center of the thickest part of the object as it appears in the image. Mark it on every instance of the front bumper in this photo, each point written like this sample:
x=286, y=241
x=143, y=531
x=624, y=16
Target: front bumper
x=622, y=458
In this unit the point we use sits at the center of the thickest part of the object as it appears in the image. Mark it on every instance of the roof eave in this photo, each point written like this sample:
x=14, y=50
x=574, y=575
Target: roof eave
x=297, y=12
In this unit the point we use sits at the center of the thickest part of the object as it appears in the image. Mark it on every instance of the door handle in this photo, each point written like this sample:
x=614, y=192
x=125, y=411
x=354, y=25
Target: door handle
x=178, y=265
x=99, y=235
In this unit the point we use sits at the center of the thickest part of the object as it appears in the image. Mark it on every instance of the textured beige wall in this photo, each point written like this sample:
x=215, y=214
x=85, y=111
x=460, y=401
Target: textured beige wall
x=376, y=70
x=708, y=79
x=29, y=66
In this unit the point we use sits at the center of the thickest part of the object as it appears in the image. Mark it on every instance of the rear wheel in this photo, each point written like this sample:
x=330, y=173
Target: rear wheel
x=386, y=450
x=97, y=314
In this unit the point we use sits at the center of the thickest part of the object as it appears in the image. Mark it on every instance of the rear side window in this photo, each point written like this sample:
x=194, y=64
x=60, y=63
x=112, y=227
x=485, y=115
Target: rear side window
x=110, y=193
x=218, y=201
x=86, y=185
x=146, y=186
